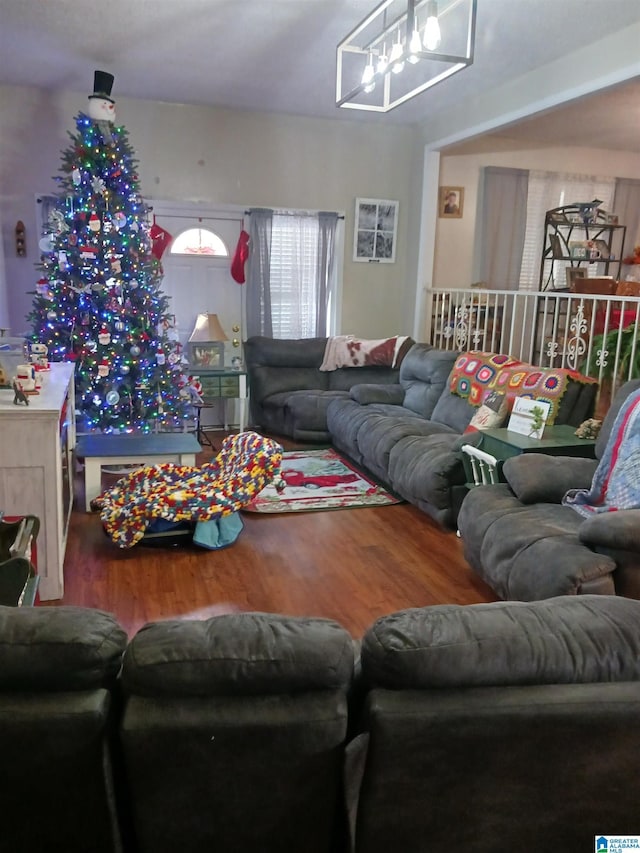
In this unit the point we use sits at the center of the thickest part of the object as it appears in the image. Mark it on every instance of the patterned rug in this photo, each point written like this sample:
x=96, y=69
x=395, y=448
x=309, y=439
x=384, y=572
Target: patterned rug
x=319, y=480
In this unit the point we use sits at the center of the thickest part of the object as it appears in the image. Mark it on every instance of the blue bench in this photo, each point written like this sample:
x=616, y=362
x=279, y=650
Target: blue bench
x=98, y=450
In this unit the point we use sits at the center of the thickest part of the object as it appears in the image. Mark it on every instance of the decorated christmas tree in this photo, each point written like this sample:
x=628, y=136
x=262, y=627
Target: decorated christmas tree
x=98, y=302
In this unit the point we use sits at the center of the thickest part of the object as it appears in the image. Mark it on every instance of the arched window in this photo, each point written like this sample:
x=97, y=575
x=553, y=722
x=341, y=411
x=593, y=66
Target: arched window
x=199, y=241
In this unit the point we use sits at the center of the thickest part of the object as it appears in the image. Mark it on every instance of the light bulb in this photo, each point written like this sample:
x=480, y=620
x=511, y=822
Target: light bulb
x=395, y=59
x=432, y=36
x=415, y=46
x=367, y=77
x=383, y=61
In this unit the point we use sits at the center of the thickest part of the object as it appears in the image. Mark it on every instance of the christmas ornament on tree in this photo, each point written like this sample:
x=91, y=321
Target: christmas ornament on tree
x=98, y=300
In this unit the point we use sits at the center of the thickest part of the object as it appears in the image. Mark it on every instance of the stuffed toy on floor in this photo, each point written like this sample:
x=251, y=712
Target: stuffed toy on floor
x=246, y=463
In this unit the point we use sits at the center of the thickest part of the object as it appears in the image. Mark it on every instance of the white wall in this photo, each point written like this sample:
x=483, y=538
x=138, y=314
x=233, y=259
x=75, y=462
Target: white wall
x=455, y=238
x=189, y=153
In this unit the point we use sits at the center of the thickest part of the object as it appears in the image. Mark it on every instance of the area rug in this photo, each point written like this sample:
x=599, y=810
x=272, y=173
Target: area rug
x=319, y=480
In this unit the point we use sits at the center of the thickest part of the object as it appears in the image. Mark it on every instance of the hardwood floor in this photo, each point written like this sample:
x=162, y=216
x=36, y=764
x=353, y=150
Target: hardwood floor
x=350, y=565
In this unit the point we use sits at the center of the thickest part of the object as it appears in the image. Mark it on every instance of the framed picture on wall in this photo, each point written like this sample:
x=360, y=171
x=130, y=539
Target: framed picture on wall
x=451, y=202
x=375, y=231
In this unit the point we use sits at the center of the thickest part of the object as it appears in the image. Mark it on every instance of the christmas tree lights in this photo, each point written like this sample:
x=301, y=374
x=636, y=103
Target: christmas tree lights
x=98, y=301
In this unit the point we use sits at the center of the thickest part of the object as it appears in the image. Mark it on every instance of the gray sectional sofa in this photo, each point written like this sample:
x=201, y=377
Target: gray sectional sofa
x=404, y=427
x=235, y=733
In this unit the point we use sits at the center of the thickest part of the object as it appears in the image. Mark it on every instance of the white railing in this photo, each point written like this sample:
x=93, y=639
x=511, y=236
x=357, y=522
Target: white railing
x=596, y=335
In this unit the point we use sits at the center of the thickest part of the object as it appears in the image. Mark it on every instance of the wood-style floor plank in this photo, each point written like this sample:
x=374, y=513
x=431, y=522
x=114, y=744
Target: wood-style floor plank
x=352, y=565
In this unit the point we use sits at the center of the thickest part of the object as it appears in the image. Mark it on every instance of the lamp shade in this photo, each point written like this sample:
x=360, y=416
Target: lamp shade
x=207, y=328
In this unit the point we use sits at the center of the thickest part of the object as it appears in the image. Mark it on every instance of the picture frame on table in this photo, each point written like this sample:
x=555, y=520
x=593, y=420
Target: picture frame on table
x=572, y=273
x=450, y=202
x=375, y=231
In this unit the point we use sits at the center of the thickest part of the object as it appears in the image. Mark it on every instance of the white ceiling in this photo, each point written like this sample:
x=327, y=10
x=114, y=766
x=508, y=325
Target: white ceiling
x=279, y=56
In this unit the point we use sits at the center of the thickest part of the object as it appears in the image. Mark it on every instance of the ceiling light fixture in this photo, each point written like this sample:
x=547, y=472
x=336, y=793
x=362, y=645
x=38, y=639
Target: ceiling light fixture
x=431, y=40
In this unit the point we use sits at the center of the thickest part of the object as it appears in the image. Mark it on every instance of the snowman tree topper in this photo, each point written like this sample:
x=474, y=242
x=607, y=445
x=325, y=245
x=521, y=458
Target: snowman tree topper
x=102, y=107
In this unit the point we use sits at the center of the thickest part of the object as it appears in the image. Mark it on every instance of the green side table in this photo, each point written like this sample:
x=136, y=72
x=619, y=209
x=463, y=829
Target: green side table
x=556, y=441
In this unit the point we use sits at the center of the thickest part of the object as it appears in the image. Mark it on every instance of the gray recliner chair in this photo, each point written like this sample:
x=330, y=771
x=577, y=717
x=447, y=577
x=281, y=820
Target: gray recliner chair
x=233, y=733
x=526, y=545
x=58, y=705
x=498, y=727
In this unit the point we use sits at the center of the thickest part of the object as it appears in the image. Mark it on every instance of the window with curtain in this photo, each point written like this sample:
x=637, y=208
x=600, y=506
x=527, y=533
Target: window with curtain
x=292, y=282
x=294, y=256
x=548, y=190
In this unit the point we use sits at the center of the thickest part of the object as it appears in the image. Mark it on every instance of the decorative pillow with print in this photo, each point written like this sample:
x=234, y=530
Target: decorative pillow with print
x=492, y=413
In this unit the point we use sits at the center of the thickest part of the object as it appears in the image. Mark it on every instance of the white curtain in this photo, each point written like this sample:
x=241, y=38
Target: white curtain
x=504, y=217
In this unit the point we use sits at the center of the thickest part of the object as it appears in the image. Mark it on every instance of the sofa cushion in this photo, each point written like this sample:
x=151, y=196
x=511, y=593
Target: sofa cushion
x=454, y=411
x=309, y=410
x=424, y=468
x=277, y=352
x=562, y=640
x=381, y=434
x=238, y=654
x=423, y=376
x=538, y=478
x=345, y=378
x=58, y=648
x=365, y=394
x=267, y=381
x=616, y=530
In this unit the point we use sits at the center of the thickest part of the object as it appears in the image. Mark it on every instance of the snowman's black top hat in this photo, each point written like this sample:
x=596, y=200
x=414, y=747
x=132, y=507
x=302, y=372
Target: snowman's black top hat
x=102, y=83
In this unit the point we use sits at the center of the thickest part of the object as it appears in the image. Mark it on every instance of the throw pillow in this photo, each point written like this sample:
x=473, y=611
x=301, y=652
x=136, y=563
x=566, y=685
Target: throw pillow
x=491, y=414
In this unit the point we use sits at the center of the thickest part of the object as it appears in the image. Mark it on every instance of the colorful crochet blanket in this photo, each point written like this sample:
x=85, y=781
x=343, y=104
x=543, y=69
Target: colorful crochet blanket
x=616, y=482
x=246, y=463
x=476, y=374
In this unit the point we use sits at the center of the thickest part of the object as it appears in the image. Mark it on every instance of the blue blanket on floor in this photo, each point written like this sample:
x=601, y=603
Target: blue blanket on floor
x=616, y=482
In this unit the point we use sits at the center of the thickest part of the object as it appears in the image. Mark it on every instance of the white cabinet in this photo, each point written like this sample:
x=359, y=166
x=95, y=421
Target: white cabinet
x=36, y=468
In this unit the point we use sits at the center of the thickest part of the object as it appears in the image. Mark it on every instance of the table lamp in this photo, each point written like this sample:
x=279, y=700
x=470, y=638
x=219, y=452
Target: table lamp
x=206, y=344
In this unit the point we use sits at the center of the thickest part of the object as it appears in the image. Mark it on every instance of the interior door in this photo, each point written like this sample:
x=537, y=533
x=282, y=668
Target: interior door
x=201, y=284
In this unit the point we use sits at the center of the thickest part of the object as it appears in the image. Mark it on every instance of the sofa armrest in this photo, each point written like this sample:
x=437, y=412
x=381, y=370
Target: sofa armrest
x=367, y=393
x=619, y=530
x=538, y=478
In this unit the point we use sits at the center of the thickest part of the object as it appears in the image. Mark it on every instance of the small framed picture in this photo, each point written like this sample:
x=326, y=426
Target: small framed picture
x=451, y=202
x=376, y=228
x=572, y=274
x=611, y=218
